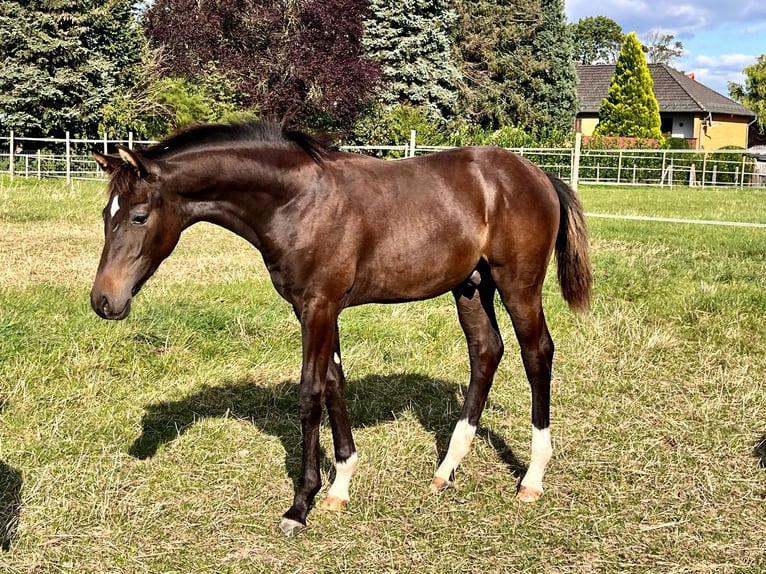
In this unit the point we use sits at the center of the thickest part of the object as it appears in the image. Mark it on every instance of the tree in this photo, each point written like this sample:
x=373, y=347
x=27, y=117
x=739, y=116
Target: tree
x=753, y=93
x=553, y=86
x=296, y=60
x=597, y=40
x=662, y=48
x=516, y=61
x=411, y=39
x=63, y=61
x=630, y=108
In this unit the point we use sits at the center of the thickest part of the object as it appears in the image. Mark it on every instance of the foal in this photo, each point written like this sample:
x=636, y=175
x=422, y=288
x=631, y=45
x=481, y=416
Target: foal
x=338, y=229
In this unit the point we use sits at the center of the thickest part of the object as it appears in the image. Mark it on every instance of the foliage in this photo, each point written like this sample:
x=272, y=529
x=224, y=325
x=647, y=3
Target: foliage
x=63, y=61
x=297, y=60
x=411, y=41
x=464, y=134
x=662, y=48
x=516, y=60
x=630, y=108
x=753, y=93
x=597, y=40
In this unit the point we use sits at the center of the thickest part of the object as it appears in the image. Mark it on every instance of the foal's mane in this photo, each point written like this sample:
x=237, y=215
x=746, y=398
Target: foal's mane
x=201, y=136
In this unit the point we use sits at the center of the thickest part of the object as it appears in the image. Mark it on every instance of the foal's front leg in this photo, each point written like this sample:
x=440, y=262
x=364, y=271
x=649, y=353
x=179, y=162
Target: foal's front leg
x=318, y=319
x=345, y=452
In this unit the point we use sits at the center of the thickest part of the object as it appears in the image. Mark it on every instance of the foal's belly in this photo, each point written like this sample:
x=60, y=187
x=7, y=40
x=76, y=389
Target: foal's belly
x=409, y=269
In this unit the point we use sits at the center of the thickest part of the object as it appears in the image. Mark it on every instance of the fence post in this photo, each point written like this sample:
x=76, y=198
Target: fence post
x=662, y=173
x=130, y=140
x=574, y=178
x=106, y=144
x=704, y=168
x=10, y=157
x=39, y=164
x=413, y=137
x=68, y=159
x=619, y=165
x=670, y=174
x=742, y=184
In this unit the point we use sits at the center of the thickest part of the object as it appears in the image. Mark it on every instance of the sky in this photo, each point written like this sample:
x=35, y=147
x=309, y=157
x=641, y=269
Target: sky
x=720, y=37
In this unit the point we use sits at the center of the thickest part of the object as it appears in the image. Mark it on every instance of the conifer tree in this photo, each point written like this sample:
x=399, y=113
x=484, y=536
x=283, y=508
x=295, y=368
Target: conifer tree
x=63, y=61
x=516, y=59
x=412, y=41
x=630, y=108
x=554, y=85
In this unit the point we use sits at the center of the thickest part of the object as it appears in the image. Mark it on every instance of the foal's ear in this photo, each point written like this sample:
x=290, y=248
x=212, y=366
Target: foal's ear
x=141, y=165
x=107, y=162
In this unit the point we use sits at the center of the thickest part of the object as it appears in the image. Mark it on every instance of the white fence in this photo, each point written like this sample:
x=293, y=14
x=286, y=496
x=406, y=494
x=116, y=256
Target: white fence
x=71, y=158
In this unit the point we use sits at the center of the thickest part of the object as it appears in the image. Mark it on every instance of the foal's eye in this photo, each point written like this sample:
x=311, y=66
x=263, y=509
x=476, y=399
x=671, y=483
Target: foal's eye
x=138, y=218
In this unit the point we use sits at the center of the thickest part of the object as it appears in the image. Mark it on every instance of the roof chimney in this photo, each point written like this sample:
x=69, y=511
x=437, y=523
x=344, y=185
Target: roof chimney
x=690, y=75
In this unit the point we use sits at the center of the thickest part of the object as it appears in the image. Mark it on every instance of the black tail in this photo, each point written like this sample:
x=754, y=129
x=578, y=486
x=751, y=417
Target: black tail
x=572, y=256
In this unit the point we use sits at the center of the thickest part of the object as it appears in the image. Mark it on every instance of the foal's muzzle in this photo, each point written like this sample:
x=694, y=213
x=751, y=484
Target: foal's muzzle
x=106, y=308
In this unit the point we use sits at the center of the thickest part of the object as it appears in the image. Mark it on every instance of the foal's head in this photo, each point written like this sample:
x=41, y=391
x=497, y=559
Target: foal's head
x=141, y=227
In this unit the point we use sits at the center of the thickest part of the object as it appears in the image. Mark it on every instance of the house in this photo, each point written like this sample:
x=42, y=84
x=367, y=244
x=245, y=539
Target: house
x=688, y=109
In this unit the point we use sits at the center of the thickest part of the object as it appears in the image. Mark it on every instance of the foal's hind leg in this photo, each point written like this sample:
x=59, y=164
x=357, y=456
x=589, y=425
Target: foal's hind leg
x=345, y=452
x=524, y=304
x=485, y=349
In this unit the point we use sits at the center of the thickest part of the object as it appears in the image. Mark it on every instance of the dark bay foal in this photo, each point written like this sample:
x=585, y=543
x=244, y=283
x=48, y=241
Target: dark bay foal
x=338, y=229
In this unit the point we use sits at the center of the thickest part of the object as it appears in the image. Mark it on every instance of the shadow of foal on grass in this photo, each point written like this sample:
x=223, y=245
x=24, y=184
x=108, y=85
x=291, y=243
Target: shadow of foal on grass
x=759, y=451
x=274, y=410
x=10, y=504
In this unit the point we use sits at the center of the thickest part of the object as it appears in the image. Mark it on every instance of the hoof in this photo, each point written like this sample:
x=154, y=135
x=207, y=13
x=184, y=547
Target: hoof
x=438, y=484
x=526, y=494
x=290, y=527
x=333, y=503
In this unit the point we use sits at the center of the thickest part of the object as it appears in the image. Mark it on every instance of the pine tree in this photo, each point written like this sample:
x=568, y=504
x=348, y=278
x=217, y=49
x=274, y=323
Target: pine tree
x=411, y=39
x=63, y=61
x=630, y=108
x=554, y=85
x=516, y=59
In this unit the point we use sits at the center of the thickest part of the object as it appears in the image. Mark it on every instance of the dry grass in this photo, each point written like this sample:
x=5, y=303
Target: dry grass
x=170, y=442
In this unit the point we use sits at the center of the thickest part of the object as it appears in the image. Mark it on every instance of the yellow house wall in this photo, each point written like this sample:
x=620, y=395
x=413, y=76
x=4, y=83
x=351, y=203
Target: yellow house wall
x=587, y=125
x=722, y=132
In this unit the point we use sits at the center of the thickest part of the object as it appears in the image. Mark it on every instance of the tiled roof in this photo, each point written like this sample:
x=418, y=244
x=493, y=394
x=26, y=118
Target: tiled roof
x=675, y=91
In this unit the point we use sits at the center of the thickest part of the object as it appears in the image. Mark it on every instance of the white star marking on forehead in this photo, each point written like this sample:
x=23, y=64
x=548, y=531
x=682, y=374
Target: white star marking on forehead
x=115, y=207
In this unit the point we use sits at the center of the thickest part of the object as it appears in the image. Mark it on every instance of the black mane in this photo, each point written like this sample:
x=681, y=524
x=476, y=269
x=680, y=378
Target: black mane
x=207, y=135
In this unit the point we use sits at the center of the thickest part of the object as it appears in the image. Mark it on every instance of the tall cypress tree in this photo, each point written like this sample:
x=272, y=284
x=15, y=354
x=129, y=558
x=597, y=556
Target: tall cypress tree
x=412, y=41
x=630, y=108
x=62, y=62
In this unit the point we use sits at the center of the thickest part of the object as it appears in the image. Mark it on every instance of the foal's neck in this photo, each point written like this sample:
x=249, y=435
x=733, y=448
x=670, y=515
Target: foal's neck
x=239, y=189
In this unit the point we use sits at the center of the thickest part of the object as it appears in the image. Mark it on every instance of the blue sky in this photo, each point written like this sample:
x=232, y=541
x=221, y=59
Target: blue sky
x=720, y=37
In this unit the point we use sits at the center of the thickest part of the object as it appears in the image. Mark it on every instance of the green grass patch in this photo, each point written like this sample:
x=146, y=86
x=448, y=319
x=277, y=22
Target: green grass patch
x=170, y=442
x=722, y=204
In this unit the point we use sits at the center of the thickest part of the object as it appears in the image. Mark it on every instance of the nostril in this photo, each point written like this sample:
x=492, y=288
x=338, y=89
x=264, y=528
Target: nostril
x=104, y=305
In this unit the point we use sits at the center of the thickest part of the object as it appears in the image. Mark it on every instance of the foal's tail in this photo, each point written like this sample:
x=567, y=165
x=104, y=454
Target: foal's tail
x=572, y=257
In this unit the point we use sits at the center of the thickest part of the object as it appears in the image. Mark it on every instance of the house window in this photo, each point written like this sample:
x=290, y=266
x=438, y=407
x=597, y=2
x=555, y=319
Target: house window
x=667, y=125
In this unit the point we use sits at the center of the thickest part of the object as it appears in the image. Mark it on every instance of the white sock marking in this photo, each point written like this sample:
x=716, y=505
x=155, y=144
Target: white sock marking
x=336, y=358
x=115, y=207
x=343, y=473
x=541, y=454
x=459, y=446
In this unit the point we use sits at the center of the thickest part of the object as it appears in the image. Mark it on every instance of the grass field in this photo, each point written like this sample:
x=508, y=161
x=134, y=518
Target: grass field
x=169, y=442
